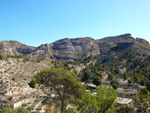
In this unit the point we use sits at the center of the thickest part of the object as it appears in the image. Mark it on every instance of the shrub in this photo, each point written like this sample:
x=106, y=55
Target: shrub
x=10, y=110
x=96, y=80
x=124, y=110
x=2, y=57
x=129, y=81
x=114, y=84
x=110, y=76
x=24, y=105
x=32, y=83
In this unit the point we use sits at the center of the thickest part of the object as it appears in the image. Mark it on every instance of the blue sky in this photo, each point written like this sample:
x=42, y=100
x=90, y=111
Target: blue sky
x=34, y=22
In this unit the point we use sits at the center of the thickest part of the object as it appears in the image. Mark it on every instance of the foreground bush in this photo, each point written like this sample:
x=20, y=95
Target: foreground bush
x=10, y=110
x=102, y=102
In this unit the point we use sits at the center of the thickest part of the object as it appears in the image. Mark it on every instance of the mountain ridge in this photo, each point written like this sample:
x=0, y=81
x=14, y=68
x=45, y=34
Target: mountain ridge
x=71, y=48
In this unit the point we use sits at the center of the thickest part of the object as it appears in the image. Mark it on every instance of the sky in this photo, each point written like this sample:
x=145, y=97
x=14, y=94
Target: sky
x=36, y=22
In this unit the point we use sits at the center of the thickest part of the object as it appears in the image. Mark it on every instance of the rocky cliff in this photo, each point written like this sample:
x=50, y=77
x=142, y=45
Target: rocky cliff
x=14, y=48
x=77, y=48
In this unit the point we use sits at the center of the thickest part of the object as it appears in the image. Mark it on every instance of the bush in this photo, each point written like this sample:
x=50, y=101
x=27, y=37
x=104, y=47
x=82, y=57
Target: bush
x=30, y=108
x=143, y=93
x=129, y=81
x=125, y=76
x=110, y=76
x=38, y=108
x=7, y=110
x=22, y=110
x=114, y=84
x=96, y=80
x=86, y=75
x=70, y=110
x=24, y=105
x=10, y=110
x=38, y=100
x=124, y=110
x=32, y=83
x=47, y=102
x=26, y=59
x=2, y=57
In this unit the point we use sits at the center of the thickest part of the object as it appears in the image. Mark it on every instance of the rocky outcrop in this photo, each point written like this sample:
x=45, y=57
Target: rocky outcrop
x=125, y=38
x=142, y=41
x=75, y=48
x=43, y=50
x=106, y=44
x=14, y=48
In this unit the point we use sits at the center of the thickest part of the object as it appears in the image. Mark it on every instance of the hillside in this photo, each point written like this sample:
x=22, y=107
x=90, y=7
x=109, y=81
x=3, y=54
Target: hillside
x=14, y=48
x=117, y=55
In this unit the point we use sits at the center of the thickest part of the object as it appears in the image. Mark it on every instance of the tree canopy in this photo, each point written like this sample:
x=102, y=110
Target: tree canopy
x=114, y=84
x=96, y=80
x=63, y=82
x=99, y=103
x=110, y=76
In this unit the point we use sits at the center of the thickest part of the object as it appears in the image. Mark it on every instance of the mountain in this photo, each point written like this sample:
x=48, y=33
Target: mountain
x=78, y=48
x=122, y=42
x=114, y=54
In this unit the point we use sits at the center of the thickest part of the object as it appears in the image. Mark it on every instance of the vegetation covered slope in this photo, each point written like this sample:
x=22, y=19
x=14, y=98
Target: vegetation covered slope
x=110, y=59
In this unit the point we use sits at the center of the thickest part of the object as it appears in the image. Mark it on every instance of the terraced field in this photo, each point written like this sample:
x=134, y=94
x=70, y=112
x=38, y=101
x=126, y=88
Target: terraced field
x=35, y=106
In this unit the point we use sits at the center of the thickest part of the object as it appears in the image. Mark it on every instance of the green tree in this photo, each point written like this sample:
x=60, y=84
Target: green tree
x=2, y=57
x=63, y=82
x=142, y=82
x=148, y=86
x=102, y=102
x=114, y=84
x=106, y=98
x=129, y=81
x=110, y=76
x=99, y=75
x=7, y=110
x=32, y=83
x=22, y=110
x=88, y=104
x=125, y=76
x=86, y=75
x=96, y=80
x=143, y=93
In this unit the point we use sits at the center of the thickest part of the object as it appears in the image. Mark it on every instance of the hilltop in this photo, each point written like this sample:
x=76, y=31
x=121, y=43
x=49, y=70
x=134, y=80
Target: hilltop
x=77, y=48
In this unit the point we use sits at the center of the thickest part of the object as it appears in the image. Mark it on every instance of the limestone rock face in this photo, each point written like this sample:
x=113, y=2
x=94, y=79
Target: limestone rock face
x=75, y=48
x=110, y=42
x=117, y=39
x=14, y=48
